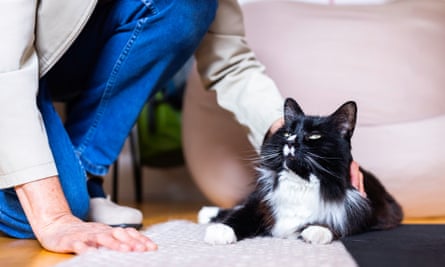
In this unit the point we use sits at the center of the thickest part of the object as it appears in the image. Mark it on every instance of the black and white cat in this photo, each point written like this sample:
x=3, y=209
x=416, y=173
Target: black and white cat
x=303, y=188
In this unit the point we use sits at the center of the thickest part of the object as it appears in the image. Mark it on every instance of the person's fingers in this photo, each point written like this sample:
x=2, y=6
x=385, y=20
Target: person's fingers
x=134, y=239
x=357, y=178
x=361, y=188
x=123, y=236
x=149, y=244
x=275, y=126
x=80, y=247
x=109, y=241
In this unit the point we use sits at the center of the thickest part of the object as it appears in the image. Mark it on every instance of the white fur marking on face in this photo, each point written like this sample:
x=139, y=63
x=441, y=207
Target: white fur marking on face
x=316, y=234
x=219, y=234
x=288, y=150
x=292, y=137
x=206, y=214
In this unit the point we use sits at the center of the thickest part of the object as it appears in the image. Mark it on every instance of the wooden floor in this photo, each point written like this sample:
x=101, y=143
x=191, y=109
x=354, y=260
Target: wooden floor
x=28, y=253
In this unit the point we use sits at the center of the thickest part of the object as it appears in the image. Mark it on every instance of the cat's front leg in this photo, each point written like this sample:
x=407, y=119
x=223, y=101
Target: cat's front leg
x=216, y=233
x=317, y=234
x=219, y=234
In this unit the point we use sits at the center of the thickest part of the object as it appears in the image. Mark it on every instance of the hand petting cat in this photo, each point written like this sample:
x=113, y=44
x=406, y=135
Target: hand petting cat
x=357, y=178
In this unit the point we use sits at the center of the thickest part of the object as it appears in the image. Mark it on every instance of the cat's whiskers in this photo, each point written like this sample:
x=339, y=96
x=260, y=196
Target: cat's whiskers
x=320, y=167
x=322, y=157
x=258, y=158
x=270, y=156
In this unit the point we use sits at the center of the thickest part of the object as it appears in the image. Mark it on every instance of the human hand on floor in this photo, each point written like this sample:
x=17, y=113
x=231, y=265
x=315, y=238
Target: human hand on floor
x=58, y=230
x=69, y=234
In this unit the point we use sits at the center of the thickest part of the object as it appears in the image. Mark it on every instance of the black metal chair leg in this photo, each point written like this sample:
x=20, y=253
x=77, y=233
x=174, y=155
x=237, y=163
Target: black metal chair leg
x=137, y=168
x=115, y=181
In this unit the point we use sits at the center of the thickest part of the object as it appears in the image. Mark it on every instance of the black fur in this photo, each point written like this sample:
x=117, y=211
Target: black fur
x=322, y=148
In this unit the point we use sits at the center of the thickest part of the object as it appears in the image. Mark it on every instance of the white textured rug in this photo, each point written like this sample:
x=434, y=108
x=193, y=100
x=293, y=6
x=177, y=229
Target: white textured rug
x=181, y=244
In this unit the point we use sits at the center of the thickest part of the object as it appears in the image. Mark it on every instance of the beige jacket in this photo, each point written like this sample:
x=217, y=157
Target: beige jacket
x=37, y=33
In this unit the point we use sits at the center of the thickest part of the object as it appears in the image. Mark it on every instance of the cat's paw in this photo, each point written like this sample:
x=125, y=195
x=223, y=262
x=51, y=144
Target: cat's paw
x=219, y=234
x=206, y=214
x=316, y=234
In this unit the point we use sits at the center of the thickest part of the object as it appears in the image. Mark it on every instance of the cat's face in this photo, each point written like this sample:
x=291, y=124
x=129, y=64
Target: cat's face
x=311, y=144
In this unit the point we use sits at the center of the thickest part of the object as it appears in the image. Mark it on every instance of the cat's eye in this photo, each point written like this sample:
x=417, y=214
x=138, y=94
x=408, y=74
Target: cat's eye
x=314, y=136
x=286, y=134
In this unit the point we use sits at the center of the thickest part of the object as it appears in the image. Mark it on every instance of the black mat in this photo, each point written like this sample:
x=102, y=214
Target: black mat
x=416, y=245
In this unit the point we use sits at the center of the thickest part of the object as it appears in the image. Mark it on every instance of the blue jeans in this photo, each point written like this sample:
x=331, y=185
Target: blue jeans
x=127, y=51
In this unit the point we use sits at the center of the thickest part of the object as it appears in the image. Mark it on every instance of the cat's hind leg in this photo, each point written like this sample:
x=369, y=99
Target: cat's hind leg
x=238, y=223
x=207, y=214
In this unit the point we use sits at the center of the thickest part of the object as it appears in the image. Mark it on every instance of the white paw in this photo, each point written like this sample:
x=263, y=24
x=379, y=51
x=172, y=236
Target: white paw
x=206, y=214
x=219, y=234
x=317, y=235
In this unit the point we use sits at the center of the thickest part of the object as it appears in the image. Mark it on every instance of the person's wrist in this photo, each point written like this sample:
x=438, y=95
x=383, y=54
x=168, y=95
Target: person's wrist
x=42, y=212
x=53, y=223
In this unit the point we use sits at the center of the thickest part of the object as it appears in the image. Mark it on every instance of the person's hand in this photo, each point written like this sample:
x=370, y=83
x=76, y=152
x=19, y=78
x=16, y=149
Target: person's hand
x=275, y=126
x=357, y=178
x=58, y=230
x=69, y=234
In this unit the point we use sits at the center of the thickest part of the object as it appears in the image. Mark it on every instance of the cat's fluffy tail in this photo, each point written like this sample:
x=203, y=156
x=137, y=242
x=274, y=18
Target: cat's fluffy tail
x=387, y=211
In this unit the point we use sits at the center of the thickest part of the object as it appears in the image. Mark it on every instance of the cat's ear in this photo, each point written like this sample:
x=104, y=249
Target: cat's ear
x=345, y=118
x=291, y=109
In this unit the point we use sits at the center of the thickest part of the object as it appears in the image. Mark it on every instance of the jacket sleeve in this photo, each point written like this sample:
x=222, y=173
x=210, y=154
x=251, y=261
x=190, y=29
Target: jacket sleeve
x=226, y=64
x=24, y=150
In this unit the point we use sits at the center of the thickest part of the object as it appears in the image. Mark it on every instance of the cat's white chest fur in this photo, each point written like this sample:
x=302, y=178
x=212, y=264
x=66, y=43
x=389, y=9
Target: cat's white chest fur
x=296, y=202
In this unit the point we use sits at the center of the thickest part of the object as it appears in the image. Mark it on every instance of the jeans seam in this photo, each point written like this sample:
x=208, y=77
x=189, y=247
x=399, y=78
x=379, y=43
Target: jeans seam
x=149, y=4
x=109, y=89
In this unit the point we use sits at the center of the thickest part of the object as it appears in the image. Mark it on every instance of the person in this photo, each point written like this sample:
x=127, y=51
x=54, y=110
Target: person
x=383, y=54
x=104, y=60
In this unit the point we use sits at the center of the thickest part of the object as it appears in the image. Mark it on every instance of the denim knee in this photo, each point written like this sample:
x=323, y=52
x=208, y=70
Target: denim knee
x=80, y=208
x=188, y=22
